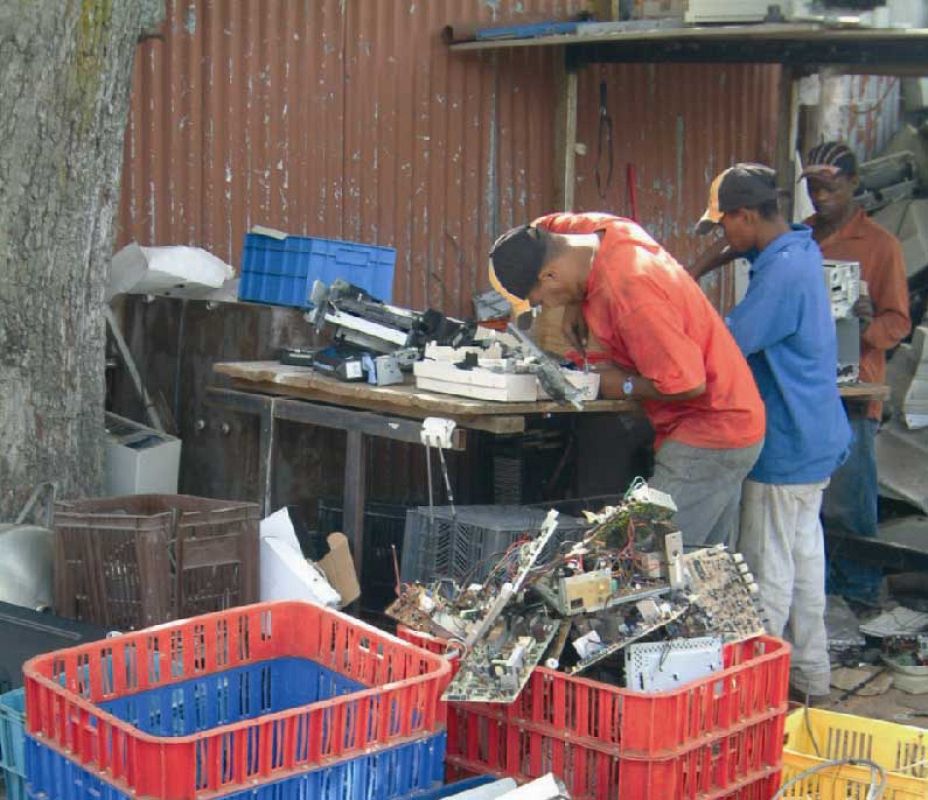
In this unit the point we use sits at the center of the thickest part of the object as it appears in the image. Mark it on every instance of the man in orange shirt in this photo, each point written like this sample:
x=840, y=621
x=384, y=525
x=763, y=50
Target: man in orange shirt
x=845, y=233
x=669, y=349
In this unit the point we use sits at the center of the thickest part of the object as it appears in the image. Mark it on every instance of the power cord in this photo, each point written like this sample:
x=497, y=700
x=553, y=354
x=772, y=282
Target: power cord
x=877, y=776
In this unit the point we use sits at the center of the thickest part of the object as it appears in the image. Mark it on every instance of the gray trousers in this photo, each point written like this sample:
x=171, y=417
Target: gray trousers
x=782, y=542
x=705, y=483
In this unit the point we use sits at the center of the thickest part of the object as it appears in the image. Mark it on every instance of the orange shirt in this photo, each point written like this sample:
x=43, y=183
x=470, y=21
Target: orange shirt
x=654, y=320
x=882, y=266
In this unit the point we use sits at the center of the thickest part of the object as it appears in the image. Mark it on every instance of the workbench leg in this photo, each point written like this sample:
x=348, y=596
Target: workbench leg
x=355, y=493
x=266, y=447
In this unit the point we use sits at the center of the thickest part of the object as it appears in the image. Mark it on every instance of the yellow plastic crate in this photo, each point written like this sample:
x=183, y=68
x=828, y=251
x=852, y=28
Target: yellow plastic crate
x=901, y=750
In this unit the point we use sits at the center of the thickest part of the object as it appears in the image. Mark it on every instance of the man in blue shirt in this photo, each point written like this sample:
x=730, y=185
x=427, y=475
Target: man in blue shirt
x=785, y=329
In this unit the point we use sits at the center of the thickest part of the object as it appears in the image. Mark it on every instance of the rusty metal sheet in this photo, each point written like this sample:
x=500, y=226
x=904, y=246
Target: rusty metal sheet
x=676, y=126
x=341, y=118
x=868, y=112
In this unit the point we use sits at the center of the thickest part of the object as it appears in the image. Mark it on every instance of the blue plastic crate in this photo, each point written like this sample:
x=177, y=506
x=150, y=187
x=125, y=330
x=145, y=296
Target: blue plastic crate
x=13, y=743
x=221, y=698
x=409, y=771
x=281, y=271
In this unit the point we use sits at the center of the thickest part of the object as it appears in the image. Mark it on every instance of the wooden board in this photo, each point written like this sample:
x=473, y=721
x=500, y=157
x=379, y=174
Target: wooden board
x=875, y=391
x=405, y=400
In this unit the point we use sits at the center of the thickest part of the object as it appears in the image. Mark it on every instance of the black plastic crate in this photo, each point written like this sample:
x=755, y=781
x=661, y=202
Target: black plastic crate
x=25, y=633
x=384, y=525
x=464, y=543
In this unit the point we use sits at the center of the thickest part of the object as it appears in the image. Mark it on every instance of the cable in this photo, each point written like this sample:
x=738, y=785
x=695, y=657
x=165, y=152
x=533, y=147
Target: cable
x=805, y=718
x=874, y=792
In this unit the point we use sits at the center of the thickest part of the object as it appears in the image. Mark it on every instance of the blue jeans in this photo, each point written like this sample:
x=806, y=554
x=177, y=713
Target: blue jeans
x=849, y=503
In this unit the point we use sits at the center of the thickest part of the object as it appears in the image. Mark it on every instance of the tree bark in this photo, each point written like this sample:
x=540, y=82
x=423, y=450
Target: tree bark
x=65, y=74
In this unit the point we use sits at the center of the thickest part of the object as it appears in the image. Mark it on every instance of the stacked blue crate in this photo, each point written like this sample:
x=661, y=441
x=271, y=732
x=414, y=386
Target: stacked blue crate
x=403, y=772
x=12, y=743
x=412, y=770
x=282, y=271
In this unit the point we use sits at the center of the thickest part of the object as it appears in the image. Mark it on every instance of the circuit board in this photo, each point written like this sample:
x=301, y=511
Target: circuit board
x=632, y=630
x=497, y=671
x=724, y=601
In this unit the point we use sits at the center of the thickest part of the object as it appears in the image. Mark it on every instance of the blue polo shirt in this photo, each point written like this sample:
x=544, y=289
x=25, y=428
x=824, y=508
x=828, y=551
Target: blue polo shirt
x=784, y=327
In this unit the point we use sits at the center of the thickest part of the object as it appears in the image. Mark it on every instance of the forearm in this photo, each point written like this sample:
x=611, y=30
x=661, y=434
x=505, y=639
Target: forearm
x=612, y=385
x=886, y=330
x=711, y=260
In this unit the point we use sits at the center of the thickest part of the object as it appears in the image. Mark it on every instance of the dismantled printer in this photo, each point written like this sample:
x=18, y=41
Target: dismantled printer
x=623, y=586
x=372, y=341
x=376, y=343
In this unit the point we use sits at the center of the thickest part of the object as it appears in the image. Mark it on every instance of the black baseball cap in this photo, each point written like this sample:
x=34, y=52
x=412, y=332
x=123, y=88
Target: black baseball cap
x=740, y=186
x=830, y=158
x=518, y=256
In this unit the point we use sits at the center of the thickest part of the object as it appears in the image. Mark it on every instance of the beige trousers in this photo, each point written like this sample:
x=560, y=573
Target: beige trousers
x=782, y=541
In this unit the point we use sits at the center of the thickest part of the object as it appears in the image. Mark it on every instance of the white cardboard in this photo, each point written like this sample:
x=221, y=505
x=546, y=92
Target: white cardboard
x=285, y=573
x=178, y=270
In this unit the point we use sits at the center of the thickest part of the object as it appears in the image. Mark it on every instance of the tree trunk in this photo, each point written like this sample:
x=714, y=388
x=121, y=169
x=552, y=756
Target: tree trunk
x=65, y=73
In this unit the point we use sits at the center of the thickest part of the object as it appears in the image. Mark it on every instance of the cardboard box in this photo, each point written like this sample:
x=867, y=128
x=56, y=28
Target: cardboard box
x=338, y=566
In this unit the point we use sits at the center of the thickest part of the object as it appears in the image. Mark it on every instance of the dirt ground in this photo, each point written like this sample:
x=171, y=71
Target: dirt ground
x=892, y=706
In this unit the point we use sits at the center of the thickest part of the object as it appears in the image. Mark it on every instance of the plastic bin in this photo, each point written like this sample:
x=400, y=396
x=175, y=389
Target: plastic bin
x=754, y=787
x=13, y=743
x=410, y=771
x=716, y=737
x=130, y=562
x=222, y=701
x=281, y=271
x=894, y=747
x=465, y=542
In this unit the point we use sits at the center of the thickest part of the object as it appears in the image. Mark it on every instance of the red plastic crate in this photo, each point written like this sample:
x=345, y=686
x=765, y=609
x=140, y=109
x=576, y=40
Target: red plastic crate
x=703, y=769
x=759, y=787
x=64, y=691
x=709, y=738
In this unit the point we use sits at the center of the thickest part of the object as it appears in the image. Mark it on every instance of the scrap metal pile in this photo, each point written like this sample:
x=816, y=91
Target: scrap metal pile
x=574, y=605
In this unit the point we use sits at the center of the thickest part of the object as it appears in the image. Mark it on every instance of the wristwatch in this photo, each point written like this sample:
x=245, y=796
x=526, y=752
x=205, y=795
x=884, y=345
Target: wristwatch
x=628, y=387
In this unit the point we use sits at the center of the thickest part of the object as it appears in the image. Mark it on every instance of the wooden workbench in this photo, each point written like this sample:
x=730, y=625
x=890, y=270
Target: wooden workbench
x=272, y=377
x=274, y=391
x=403, y=400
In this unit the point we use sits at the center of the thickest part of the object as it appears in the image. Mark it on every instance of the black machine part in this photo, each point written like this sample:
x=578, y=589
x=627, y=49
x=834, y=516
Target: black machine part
x=297, y=357
x=341, y=360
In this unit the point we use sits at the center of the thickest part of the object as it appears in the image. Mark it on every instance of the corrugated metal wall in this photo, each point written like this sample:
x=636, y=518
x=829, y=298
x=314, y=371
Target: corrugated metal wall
x=864, y=110
x=341, y=118
x=676, y=126
x=351, y=119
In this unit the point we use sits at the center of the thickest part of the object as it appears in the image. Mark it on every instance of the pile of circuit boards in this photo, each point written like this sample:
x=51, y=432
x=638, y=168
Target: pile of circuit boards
x=624, y=587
